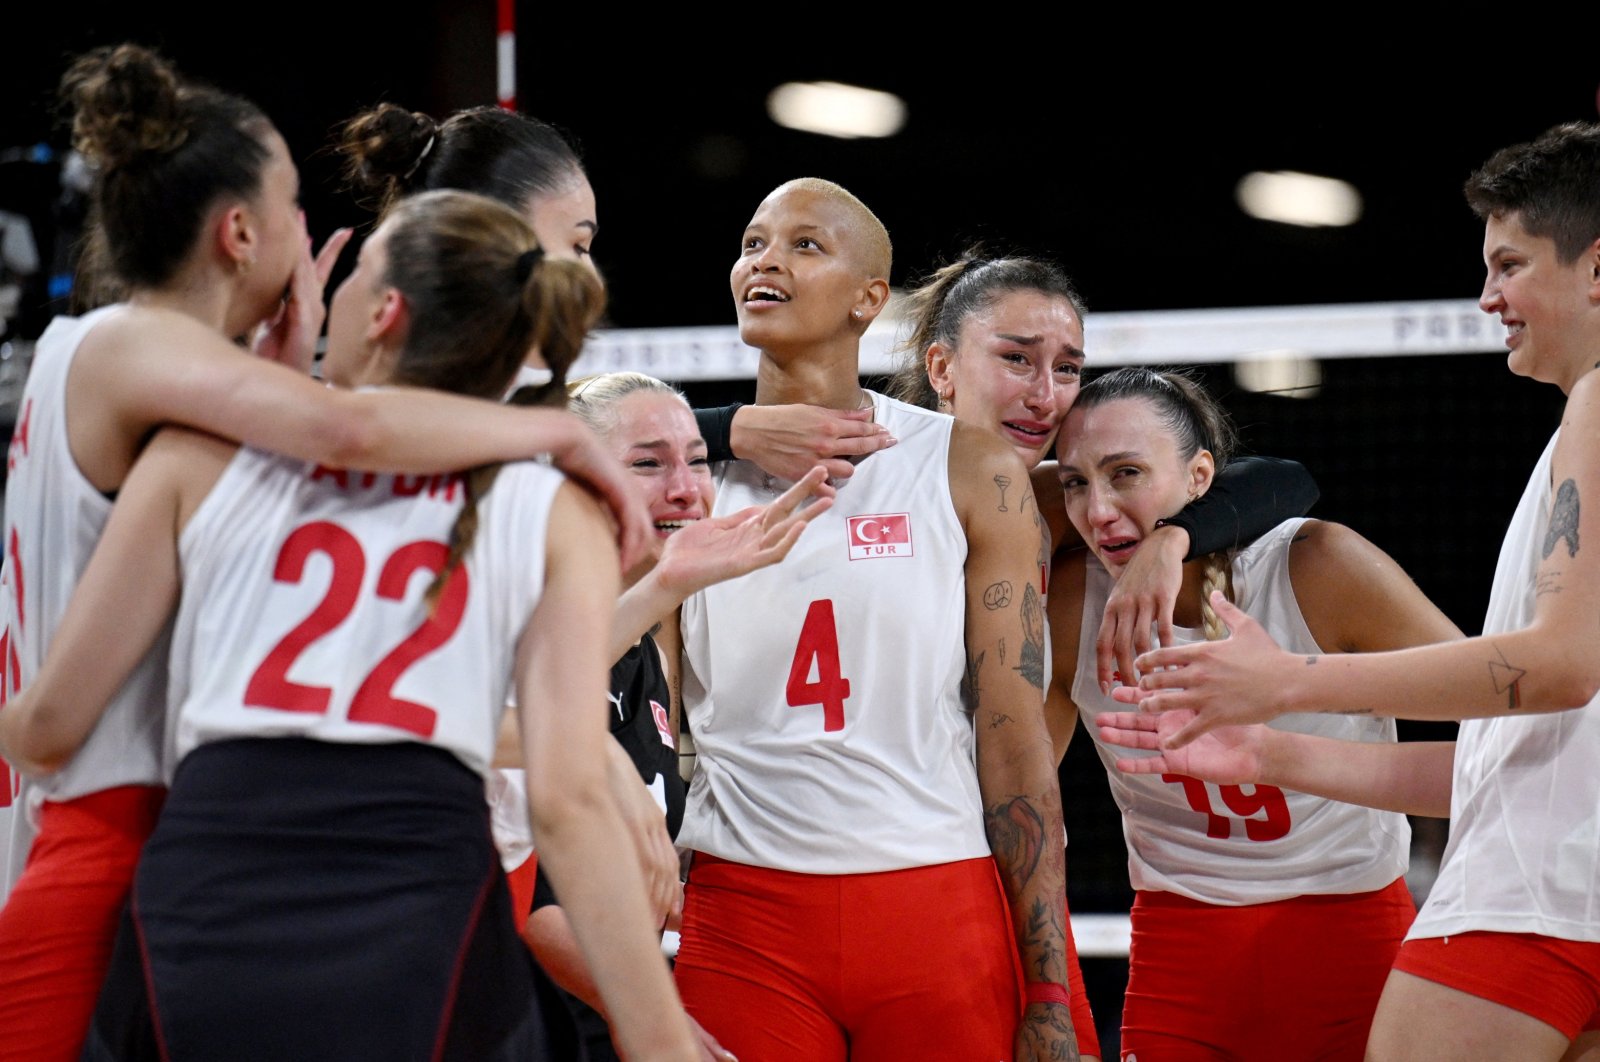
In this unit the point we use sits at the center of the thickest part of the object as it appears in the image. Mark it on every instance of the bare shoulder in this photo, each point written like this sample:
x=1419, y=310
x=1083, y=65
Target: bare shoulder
x=986, y=475
x=1355, y=597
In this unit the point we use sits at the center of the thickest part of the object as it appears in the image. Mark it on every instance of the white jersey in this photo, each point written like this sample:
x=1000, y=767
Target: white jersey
x=53, y=519
x=1234, y=844
x=303, y=612
x=823, y=692
x=1524, y=851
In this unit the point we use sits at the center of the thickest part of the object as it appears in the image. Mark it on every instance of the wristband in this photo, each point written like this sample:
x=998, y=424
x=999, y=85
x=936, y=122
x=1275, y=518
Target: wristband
x=1048, y=992
x=716, y=427
x=1186, y=524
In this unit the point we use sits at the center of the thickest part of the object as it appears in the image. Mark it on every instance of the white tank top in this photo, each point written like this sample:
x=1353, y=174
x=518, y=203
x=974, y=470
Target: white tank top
x=1244, y=844
x=53, y=519
x=1524, y=851
x=303, y=612
x=823, y=692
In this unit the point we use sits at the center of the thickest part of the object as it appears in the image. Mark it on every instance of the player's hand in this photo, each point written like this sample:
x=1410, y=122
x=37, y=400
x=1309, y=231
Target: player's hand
x=1229, y=755
x=1242, y=679
x=646, y=824
x=290, y=336
x=788, y=440
x=1046, y=1034
x=710, y=1050
x=724, y=547
x=587, y=462
x=1141, y=601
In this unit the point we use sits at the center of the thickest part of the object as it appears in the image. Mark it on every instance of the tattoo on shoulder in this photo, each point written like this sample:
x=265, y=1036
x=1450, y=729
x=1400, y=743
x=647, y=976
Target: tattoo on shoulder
x=1030, y=661
x=999, y=719
x=1564, y=520
x=1547, y=583
x=1003, y=482
x=1507, y=679
x=997, y=596
x=1310, y=660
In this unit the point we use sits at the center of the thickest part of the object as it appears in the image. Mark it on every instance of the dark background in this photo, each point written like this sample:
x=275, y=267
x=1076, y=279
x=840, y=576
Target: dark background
x=1111, y=143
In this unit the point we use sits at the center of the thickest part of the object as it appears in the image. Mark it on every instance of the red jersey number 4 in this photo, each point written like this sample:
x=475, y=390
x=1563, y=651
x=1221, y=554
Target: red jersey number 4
x=818, y=651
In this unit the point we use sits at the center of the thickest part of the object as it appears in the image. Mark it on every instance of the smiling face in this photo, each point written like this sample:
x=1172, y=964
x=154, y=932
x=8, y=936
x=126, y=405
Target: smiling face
x=800, y=275
x=656, y=438
x=1121, y=471
x=1544, y=304
x=1014, y=369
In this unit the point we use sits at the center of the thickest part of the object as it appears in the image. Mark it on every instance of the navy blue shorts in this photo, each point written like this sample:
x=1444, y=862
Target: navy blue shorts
x=311, y=900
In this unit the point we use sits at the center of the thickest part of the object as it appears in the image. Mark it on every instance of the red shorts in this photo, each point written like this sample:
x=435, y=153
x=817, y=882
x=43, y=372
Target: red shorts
x=521, y=882
x=57, y=928
x=1556, y=981
x=1275, y=982
x=916, y=963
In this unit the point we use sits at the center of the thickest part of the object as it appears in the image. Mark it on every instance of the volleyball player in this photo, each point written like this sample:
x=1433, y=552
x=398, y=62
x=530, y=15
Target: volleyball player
x=842, y=901
x=998, y=343
x=355, y=636
x=1504, y=959
x=197, y=197
x=1299, y=898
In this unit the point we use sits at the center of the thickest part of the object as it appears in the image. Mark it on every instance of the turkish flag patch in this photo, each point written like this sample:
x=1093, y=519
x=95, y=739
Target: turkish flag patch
x=876, y=537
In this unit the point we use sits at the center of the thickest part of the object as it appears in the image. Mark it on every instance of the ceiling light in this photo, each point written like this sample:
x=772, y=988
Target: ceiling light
x=1298, y=199
x=832, y=109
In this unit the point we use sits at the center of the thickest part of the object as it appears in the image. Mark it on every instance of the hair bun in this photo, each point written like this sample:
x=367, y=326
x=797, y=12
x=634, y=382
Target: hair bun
x=385, y=146
x=125, y=101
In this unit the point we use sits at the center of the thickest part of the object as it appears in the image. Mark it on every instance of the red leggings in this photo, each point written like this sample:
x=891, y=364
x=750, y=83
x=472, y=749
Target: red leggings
x=57, y=928
x=914, y=963
x=1287, y=981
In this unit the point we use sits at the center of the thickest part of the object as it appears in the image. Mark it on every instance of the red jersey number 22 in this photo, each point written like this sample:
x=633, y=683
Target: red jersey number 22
x=819, y=649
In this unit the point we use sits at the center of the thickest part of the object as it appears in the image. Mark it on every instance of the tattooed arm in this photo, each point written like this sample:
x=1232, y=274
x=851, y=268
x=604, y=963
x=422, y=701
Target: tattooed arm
x=1550, y=665
x=1006, y=546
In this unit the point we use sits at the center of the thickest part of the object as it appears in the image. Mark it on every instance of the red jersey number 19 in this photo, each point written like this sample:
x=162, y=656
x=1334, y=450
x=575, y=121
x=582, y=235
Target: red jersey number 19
x=818, y=650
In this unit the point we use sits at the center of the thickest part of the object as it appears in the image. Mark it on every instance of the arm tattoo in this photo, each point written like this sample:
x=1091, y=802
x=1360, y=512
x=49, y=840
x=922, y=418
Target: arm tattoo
x=1016, y=836
x=997, y=596
x=1030, y=662
x=1547, y=583
x=999, y=719
x=970, y=694
x=1507, y=679
x=1041, y=925
x=1310, y=660
x=1564, y=520
x=1003, y=482
x=1002, y=650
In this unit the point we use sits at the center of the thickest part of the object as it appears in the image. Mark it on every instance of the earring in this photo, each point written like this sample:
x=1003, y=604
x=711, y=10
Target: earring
x=856, y=314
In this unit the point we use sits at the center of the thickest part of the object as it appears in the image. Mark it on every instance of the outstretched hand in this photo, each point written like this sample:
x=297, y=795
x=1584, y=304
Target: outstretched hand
x=724, y=547
x=290, y=336
x=1229, y=755
x=1239, y=680
x=1142, y=599
x=789, y=440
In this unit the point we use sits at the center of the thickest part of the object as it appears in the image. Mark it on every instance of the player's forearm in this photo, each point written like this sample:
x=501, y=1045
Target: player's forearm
x=610, y=918
x=1249, y=498
x=641, y=606
x=384, y=435
x=1021, y=821
x=549, y=936
x=1412, y=777
x=1531, y=670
